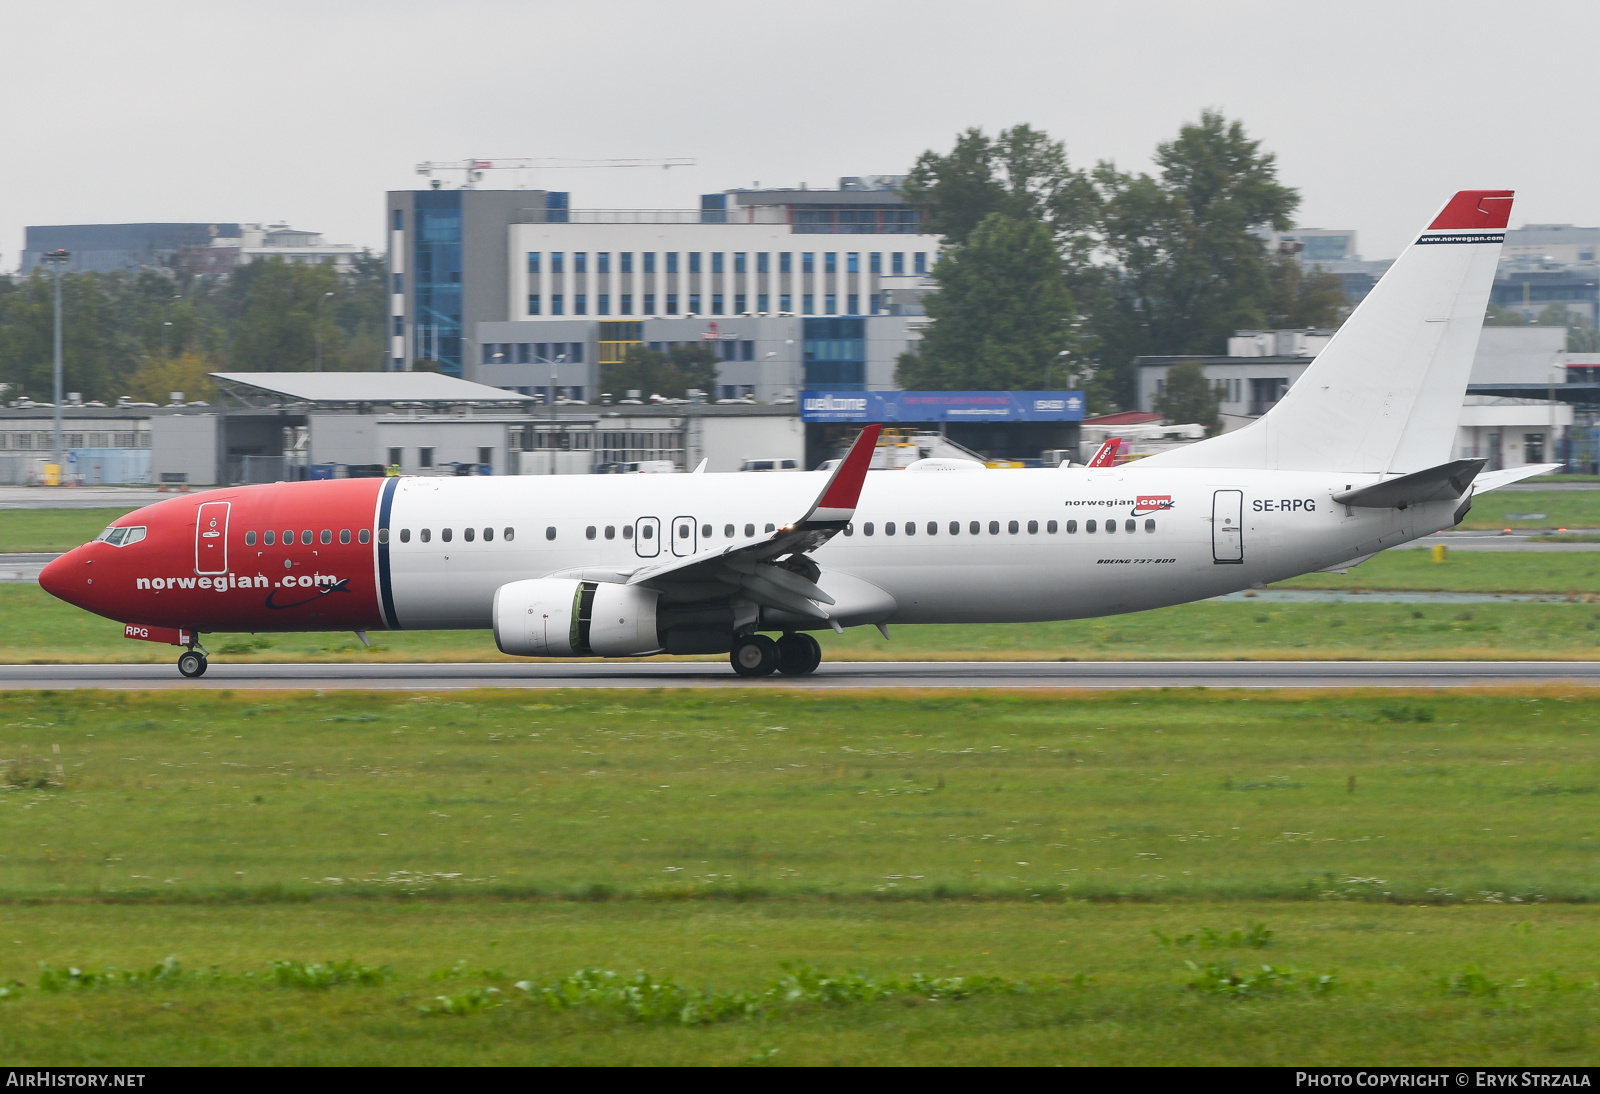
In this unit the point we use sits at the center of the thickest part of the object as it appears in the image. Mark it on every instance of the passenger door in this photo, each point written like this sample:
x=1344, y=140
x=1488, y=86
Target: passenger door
x=1227, y=526
x=647, y=537
x=683, y=536
x=211, y=539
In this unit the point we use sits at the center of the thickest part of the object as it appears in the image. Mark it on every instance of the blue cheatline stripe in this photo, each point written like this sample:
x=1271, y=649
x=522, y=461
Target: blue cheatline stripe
x=385, y=586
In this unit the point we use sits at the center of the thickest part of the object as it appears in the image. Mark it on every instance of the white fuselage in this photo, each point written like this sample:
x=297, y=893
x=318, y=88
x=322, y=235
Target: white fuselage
x=1197, y=533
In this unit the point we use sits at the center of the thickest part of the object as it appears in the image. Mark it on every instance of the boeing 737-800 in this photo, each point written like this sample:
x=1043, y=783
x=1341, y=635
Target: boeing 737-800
x=1355, y=458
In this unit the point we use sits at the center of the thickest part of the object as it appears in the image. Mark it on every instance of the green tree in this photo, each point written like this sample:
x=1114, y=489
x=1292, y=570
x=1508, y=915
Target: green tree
x=284, y=307
x=1496, y=316
x=670, y=375
x=1002, y=314
x=1189, y=267
x=1296, y=297
x=1187, y=396
x=1021, y=173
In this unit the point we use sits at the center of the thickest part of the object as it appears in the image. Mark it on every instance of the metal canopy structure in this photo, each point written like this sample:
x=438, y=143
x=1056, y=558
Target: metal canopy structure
x=346, y=390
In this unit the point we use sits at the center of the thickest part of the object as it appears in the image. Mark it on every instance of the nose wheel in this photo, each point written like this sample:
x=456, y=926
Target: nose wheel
x=192, y=663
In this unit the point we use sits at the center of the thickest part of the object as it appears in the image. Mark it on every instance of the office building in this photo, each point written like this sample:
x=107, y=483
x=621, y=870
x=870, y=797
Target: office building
x=817, y=289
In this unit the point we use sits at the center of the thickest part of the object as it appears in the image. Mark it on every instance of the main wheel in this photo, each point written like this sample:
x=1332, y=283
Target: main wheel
x=192, y=664
x=754, y=655
x=798, y=654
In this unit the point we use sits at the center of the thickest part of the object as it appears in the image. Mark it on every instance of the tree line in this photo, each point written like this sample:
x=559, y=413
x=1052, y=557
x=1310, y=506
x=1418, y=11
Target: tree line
x=148, y=333
x=1054, y=276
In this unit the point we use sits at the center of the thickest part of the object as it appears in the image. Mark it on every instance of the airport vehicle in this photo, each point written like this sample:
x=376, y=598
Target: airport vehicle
x=1355, y=458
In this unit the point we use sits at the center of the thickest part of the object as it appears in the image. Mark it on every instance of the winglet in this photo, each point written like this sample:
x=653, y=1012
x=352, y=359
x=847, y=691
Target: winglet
x=1107, y=456
x=837, y=502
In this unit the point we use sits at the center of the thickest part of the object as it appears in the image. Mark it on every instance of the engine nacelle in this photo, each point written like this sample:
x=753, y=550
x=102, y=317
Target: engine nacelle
x=563, y=617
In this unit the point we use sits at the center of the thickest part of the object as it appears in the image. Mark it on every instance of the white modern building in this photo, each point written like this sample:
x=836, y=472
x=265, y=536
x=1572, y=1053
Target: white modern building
x=798, y=289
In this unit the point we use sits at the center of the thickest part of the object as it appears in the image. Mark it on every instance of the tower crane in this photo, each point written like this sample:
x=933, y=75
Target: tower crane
x=473, y=169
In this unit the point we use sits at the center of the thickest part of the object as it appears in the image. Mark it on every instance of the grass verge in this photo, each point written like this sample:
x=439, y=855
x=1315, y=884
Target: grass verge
x=1155, y=877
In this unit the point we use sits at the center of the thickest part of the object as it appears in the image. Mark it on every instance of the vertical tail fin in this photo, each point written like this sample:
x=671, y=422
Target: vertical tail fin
x=1385, y=395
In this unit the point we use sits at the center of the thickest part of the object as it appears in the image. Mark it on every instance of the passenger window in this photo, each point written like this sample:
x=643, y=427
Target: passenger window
x=705, y=531
x=468, y=533
x=306, y=536
x=268, y=538
x=648, y=532
x=1111, y=526
x=550, y=532
x=727, y=530
x=972, y=529
x=849, y=529
x=749, y=529
x=488, y=535
x=1051, y=527
x=426, y=535
x=888, y=527
x=933, y=527
x=446, y=534
x=249, y=539
x=1012, y=527
x=365, y=535
x=772, y=527
x=327, y=536
x=611, y=531
x=911, y=527
x=1131, y=526
x=1072, y=528
x=383, y=535
x=509, y=534
x=627, y=531
x=994, y=528
x=288, y=537
x=405, y=535
x=1090, y=526
x=683, y=531
x=344, y=535
x=590, y=532
x=1033, y=527
x=955, y=528
x=1150, y=525
x=866, y=529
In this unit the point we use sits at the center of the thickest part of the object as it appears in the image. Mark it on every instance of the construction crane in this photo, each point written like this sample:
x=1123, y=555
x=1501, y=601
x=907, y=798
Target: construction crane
x=473, y=169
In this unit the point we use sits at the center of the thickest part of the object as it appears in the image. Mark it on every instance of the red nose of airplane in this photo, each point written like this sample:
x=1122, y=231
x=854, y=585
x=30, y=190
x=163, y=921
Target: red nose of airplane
x=58, y=576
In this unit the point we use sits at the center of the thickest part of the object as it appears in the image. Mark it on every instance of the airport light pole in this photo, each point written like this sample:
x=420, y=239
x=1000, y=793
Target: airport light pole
x=55, y=260
x=317, y=327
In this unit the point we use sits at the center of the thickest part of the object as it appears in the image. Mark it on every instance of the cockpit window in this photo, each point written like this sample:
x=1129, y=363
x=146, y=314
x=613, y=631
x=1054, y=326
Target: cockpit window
x=122, y=537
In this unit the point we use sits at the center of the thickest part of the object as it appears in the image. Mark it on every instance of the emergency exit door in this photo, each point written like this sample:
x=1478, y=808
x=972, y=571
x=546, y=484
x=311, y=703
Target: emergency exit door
x=1227, y=526
x=211, y=539
x=683, y=536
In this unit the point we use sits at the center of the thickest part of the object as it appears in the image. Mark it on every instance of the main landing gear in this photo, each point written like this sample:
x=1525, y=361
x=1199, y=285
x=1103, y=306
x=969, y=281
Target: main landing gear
x=795, y=654
x=192, y=662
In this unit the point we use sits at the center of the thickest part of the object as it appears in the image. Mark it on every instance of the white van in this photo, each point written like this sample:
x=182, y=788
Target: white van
x=770, y=465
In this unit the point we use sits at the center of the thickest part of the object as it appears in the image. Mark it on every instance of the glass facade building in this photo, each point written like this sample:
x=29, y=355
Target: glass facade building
x=437, y=261
x=835, y=354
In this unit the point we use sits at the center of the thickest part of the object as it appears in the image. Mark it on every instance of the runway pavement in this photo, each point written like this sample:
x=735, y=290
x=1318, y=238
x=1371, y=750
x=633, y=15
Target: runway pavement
x=836, y=675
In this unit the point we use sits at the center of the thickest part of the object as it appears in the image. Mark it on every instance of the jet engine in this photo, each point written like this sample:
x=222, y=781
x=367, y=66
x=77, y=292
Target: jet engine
x=562, y=617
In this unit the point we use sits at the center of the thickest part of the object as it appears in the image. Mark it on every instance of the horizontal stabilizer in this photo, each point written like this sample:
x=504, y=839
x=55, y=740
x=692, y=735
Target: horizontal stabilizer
x=1447, y=482
x=1494, y=480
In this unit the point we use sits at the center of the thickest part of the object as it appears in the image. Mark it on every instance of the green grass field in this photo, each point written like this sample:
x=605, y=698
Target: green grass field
x=35, y=628
x=52, y=529
x=1563, y=573
x=1433, y=856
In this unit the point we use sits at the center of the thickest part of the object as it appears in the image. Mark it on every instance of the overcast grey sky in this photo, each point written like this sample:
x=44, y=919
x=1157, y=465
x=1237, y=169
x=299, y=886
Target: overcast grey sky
x=308, y=111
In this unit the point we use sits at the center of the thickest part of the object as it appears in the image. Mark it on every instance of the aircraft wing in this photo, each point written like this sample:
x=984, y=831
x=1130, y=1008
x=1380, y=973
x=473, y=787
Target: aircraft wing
x=772, y=570
x=1107, y=455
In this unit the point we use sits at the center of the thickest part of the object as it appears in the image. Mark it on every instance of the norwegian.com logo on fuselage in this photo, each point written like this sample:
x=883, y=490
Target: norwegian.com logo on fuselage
x=1146, y=504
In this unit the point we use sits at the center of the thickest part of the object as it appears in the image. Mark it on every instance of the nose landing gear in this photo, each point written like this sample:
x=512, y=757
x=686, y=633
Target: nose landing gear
x=192, y=662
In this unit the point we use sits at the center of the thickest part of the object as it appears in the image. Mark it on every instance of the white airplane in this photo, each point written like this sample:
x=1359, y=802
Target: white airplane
x=1354, y=459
